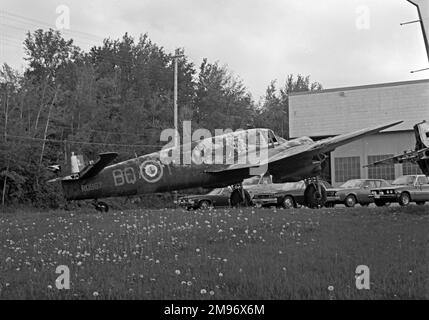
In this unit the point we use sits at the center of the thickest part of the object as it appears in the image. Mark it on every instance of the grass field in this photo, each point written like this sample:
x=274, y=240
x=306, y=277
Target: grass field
x=220, y=254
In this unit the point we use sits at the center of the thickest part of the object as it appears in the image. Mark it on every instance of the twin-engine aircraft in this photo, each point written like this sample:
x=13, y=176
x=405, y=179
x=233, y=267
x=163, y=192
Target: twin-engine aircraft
x=285, y=161
x=420, y=155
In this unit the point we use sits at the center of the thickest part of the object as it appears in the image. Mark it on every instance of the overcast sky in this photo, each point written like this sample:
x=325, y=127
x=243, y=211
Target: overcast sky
x=337, y=42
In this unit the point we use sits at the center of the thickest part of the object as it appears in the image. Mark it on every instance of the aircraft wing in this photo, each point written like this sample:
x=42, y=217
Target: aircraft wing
x=412, y=156
x=309, y=150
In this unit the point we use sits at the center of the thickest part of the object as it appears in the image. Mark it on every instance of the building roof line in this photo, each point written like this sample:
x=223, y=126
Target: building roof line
x=371, y=86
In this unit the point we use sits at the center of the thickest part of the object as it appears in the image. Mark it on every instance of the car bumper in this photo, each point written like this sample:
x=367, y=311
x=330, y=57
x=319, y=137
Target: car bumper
x=333, y=199
x=265, y=201
x=186, y=205
x=384, y=197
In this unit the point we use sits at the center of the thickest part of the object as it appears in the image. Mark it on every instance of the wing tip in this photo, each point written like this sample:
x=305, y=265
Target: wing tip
x=391, y=124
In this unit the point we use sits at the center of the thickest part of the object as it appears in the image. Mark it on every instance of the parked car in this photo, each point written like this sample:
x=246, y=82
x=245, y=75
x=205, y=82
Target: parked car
x=356, y=191
x=405, y=189
x=216, y=198
x=286, y=195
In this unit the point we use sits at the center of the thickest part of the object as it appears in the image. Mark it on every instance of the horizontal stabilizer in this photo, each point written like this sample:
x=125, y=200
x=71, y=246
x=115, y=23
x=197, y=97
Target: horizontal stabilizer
x=412, y=156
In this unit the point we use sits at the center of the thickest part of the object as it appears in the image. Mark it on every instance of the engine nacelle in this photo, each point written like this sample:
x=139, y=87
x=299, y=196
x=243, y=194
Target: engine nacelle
x=313, y=169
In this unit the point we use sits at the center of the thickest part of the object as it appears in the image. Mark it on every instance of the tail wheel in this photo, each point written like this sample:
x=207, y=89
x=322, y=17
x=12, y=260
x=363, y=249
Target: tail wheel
x=313, y=197
x=102, y=207
x=350, y=201
x=404, y=199
x=237, y=200
x=288, y=202
x=205, y=205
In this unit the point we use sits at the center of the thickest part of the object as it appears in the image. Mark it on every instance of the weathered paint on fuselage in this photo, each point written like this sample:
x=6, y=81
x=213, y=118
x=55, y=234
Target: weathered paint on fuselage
x=147, y=174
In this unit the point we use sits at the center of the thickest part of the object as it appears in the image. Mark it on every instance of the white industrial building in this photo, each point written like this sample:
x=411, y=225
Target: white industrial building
x=332, y=112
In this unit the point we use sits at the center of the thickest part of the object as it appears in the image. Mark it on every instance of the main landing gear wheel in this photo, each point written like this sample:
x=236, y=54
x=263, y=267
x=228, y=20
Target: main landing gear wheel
x=379, y=203
x=240, y=198
x=101, y=207
x=315, y=195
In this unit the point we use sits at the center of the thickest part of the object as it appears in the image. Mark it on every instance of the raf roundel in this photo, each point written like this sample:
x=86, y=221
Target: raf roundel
x=151, y=171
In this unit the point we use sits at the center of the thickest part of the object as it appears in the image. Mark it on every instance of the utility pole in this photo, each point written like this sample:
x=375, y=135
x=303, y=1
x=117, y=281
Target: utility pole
x=176, y=111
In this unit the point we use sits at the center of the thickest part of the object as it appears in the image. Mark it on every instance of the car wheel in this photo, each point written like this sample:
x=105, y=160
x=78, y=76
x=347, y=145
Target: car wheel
x=404, y=199
x=204, y=205
x=421, y=203
x=288, y=202
x=350, y=201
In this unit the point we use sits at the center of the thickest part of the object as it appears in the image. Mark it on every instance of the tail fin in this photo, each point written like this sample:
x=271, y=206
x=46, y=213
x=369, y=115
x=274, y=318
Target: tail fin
x=91, y=170
x=421, y=131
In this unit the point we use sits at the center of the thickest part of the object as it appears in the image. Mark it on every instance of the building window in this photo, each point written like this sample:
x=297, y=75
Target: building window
x=347, y=168
x=385, y=171
x=409, y=168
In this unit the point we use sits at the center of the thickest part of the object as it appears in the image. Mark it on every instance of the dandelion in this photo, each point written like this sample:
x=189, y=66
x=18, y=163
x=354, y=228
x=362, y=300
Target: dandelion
x=49, y=287
x=220, y=274
x=331, y=288
x=95, y=294
x=79, y=263
x=212, y=293
x=189, y=283
x=203, y=291
x=197, y=250
x=177, y=272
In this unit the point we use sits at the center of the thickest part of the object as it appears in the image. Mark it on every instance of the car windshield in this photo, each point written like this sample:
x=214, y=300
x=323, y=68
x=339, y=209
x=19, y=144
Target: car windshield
x=251, y=181
x=294, y=185
x=404, y=180
x=215, y=192
x=352, y=184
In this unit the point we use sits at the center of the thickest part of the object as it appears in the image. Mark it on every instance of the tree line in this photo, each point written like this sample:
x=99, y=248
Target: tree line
x=115, y=97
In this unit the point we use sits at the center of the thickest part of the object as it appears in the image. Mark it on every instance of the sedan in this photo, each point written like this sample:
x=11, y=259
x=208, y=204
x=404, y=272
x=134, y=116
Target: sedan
x=216, y=198
x=404, y=190
x=356, y=191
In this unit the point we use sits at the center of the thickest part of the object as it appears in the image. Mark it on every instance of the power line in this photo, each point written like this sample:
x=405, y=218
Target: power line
x=96, y=130
x=10, y=15
x=84, y=142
